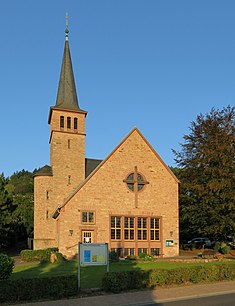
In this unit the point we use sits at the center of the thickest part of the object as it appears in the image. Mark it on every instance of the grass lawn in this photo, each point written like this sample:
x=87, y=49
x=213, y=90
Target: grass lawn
x=90, y=276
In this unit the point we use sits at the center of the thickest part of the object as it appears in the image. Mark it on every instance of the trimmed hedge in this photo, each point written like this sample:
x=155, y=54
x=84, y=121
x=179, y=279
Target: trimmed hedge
x=119, y=281
x=38, y=288
x=40, y=255
x=6, y=266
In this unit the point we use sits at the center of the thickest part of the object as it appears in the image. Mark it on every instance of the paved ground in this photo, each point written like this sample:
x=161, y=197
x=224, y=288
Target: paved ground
x=147, y=296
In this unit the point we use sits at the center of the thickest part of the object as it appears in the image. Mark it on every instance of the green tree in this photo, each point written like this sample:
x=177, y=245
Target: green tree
x=6, y=208
x=20, y=185
x=207, y=175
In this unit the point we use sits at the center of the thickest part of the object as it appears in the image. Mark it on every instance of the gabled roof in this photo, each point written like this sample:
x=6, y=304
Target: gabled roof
x=57, y=212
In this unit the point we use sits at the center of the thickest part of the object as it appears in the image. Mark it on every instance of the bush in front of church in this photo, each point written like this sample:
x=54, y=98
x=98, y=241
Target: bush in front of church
x=127, y=280
x=113, y=256
x=42, y=255
x=31, y=289
x=6, y=266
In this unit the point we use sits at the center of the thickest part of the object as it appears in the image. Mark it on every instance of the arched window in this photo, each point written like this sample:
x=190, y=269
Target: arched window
x=68, y=122
x=75, y=123
x=62, y=122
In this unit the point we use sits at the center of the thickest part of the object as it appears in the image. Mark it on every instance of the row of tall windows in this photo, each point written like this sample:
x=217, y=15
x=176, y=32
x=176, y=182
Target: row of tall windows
x=131, y=251
x=69, y=122
x=132, y=228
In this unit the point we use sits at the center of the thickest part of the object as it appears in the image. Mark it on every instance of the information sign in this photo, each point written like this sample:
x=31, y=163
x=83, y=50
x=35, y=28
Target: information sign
x=92, y=254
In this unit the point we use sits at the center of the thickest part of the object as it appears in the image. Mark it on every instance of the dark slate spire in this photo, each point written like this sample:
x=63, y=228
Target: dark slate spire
x=67, y=95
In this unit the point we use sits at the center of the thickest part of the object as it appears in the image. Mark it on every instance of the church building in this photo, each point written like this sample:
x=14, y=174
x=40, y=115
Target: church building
x=128, y=200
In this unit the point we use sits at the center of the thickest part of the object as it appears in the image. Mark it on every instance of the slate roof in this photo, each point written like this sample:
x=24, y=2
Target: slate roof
x=67, y=95
x=44, y=171
x=90, y=165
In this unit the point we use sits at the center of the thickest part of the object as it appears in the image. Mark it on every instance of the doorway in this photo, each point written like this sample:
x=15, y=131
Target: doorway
x=87, y=236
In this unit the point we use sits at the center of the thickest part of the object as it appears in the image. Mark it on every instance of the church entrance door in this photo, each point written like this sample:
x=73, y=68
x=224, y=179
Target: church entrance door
x=87, y=236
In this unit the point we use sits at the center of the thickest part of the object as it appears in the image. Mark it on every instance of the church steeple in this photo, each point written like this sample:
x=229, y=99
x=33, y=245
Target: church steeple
x=67, y=95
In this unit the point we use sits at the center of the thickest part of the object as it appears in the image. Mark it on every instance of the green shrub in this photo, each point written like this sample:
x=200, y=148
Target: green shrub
x=38, y=288
x=144, y=256
x=188, y=246
x=119, y=281
x=113, y=256
x=6, y=266
x=53, y=250
x=217, y=246
x=131, y=257
x=40, y=255
x=59, y=257
x=225, y=249
x=125, y=280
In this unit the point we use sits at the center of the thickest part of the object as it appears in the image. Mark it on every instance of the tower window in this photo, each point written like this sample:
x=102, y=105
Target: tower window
x=69, y=122
x=75, y=123
x=69, y=179
x=47, y=195
x=62, y=121
x=69, y=143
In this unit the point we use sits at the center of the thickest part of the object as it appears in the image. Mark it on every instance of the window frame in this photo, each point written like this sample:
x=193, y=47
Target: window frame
x=75, y=123
x=62, y=122
x=114, y=229
x=142, y=229
x=133, y=183
x=88, y=212
x=69, y=123
x=129, y=230
x=154, y=228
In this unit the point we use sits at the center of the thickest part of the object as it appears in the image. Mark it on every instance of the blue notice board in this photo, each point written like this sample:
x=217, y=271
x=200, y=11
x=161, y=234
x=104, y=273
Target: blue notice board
x=87, y=256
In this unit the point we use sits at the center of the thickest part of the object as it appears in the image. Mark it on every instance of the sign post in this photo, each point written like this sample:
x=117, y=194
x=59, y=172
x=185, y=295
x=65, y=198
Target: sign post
x=92, y=254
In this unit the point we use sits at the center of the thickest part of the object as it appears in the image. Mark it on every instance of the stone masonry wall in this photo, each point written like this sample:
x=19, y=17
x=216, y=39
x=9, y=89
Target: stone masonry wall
x=106, y=194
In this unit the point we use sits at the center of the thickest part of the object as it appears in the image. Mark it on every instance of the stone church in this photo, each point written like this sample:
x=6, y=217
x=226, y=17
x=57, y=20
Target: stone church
x=128, y=200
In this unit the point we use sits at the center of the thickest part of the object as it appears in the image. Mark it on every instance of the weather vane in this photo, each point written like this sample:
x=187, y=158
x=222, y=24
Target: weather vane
x=67, y=26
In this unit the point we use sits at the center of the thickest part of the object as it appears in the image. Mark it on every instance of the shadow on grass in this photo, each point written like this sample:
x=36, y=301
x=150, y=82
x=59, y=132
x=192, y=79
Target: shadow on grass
x=91, y=276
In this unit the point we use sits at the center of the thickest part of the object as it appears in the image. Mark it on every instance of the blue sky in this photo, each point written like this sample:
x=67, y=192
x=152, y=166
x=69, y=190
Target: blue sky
x=150, y=64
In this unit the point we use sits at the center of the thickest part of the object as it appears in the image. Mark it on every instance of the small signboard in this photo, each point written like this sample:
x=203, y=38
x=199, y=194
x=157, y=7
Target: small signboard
x=169, y=243
x=93, y=254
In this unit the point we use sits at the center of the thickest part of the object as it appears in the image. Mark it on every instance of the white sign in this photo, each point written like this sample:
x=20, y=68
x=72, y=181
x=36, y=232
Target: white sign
x=93, y=254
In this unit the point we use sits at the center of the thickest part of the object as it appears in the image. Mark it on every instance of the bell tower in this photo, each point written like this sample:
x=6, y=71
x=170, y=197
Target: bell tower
x=54, y=183
x=67, y=132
